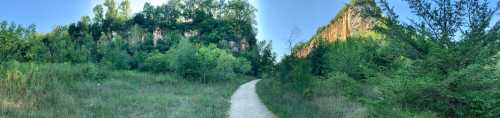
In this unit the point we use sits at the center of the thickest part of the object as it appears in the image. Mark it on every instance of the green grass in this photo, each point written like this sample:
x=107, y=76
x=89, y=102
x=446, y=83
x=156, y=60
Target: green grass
x=286, y=103
x=283, y=103
x=337, y=97
x=65, y=90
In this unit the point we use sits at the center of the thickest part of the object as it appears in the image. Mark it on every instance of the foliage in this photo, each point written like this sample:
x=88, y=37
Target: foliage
x=204, y=64
x=215, y=63
x=86, y=90
x=295, y=71
x=84, y=68
x=325, y=100
x=158, y=62
x=470, y=92
x=17, y=42
x=318, y=63
x=419, y=70
x=33, y=87
x=184, y=60
x=266, y=60
x=119, y=41
x=113, y=54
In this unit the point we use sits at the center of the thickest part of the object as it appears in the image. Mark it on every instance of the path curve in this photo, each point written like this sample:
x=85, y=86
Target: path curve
x=245, y=103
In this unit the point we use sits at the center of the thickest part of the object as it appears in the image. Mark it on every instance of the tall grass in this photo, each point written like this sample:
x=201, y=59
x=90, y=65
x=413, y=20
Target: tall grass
x=86, y=90
x=28, y=88
x=286, y=103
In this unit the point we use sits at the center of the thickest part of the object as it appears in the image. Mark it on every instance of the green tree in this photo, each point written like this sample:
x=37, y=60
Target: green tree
x=111, y=10
x=319, y=60
x=218, y=64
x=124, y=11
x=16, y=43
x=184, y=59
x=98, y=14
x=353, y=56
x=114, y=54
x=241, y=17
x=443, y=19
x=58, y=46
x=266, y=59
x=441, y=22
x=158, y=62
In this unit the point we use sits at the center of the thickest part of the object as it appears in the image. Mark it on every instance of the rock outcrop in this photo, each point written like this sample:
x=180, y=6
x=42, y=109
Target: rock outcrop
x=351, y=19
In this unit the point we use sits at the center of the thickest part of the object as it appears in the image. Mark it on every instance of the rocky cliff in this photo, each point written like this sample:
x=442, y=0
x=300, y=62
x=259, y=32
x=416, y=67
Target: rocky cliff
x=355, y=17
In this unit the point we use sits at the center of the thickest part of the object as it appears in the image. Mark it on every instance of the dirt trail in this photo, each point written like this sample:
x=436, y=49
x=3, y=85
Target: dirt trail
x=245, y=103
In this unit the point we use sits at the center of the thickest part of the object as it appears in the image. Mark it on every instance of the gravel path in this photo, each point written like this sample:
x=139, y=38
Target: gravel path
x=245, y=103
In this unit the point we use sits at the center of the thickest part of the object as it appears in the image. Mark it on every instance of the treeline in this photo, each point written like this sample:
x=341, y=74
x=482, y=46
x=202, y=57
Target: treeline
x=445, y=65
x=188, y=37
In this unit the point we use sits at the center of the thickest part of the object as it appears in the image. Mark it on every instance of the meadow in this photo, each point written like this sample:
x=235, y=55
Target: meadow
x=86, y=90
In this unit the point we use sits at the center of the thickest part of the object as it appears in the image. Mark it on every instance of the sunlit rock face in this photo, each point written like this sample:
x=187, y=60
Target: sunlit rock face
x=351, y=19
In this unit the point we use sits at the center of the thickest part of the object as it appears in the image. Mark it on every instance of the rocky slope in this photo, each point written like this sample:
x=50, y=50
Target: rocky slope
x=356, y=17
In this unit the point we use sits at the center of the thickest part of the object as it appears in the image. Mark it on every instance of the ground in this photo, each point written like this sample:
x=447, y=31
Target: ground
x=245, y=103
x=130, y=94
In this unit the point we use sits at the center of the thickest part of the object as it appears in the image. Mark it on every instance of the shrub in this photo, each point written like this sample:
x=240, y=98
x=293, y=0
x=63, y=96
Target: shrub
x=158, y=62
x=92, y=72
x=207, y=63
x=217, y=63
x=243, y=66
x=114, y=54
x=470, y=92
x=338, y=83
x=296, y=72
x=352, y=56
x=183, y=59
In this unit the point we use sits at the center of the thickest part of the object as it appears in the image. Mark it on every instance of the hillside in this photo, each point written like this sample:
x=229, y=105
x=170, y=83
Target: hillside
x=365, y=65
x=355, y=17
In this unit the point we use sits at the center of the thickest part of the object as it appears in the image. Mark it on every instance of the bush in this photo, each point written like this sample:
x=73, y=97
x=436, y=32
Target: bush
x=158, y=62
x=203, y=64
x=114, y=54
x=338, y=84
x=92, y=72
x=297, y=72
x=243, y=66
x=217, y=63
x=183, y=59
x=353, y=56
x=470, y=92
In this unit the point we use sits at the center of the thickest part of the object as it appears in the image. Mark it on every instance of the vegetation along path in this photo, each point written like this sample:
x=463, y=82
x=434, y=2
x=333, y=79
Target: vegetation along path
x=246, y=104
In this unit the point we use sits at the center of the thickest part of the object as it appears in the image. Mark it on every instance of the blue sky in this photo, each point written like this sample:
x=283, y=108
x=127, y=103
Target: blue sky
x=46, y=14
x=43, y=13
x=275, y=18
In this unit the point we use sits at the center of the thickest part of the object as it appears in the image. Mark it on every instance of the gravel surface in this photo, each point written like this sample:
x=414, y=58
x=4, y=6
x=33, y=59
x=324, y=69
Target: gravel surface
x=245, y=103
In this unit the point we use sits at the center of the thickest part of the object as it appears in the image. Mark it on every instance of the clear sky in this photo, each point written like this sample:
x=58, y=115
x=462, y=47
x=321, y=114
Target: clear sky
x=43, y=13
x=275, y=18
x=46, y=14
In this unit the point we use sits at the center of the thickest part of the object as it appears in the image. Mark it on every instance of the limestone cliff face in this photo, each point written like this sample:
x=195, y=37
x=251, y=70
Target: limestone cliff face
x=348, y=21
